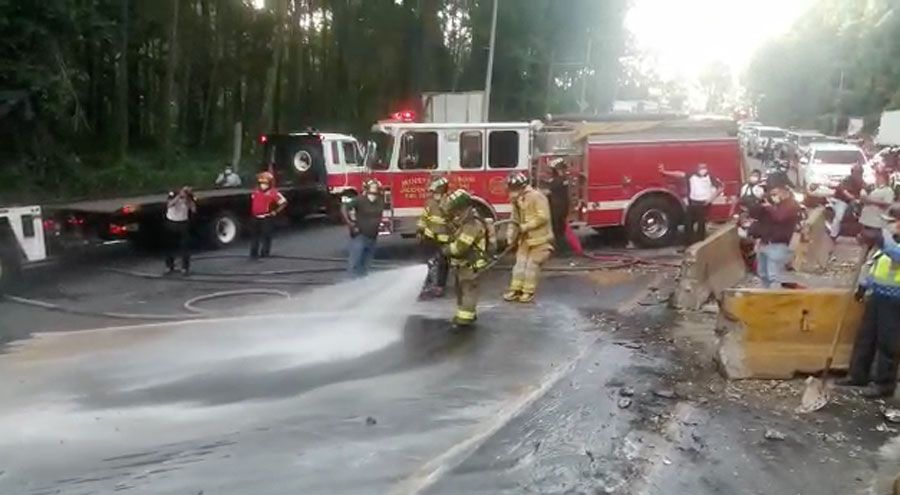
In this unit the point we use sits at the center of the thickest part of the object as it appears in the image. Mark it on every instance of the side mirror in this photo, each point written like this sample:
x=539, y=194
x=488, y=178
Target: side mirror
x=371, y=153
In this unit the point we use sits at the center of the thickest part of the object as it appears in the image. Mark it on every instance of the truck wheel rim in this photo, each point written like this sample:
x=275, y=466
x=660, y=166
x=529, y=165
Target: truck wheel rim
x=654, y=224
x=226, y=230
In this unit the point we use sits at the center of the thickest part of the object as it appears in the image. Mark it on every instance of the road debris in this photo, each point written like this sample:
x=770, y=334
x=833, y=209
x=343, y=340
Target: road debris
x=892, y=415
x=626, y=392
x=371, y=421
x=624, y=403
x=665, y=393
x=773, y=434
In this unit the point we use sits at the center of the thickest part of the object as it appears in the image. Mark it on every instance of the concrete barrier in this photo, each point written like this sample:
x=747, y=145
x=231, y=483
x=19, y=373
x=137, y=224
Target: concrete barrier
x=709, y=267
x=779, y=333
x=814, y=245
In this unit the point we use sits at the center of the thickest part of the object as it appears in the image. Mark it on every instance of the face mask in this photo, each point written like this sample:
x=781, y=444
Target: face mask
x=754, y=180
x=775, y=199
x=702, y=172
x=437, y=195
x=372, y=196
x=264, y=186
x=228, y=171
x=372, y=191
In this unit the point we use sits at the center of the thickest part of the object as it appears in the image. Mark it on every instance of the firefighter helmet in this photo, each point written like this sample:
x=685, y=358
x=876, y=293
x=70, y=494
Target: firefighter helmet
x=371, y=182
x=439, y=184
x=558, y=163
x=265, y=177
x=516, y=180
x=458, y=200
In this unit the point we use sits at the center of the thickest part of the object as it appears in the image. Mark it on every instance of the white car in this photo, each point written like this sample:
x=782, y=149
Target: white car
x=827, y=164
x=759, y=137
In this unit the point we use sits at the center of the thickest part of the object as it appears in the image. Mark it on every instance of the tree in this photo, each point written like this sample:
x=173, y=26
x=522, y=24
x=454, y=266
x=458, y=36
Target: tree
x=715, y=81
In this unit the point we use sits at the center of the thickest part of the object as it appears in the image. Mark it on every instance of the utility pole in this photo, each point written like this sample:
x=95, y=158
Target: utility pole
x=488, y=80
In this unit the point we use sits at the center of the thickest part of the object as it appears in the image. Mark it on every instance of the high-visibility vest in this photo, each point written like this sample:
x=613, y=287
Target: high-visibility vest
x=885, y=271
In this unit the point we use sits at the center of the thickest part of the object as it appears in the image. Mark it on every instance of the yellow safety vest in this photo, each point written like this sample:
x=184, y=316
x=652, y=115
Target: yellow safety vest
x=884, y=271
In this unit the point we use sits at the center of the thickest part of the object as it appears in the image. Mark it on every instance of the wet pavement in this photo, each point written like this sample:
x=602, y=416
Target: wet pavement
x=353, y=388
x=339, y=390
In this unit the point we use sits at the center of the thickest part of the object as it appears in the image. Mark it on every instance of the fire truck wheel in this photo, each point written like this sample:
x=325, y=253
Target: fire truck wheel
x=653, y=221
x=224, y=229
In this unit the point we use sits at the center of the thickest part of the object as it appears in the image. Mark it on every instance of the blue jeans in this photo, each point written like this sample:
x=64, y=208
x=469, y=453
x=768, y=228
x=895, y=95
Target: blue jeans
x=361, y=251
x=771, y=260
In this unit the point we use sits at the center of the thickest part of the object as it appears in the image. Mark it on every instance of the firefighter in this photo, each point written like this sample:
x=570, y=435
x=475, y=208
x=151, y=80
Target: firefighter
x=531, y=211
x=433, y=233
x=558, y=188
x=468, y=251
x=265, y=204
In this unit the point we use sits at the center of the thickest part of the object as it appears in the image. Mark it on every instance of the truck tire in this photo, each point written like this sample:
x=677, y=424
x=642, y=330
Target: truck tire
x=223, y=230
x=653, y=221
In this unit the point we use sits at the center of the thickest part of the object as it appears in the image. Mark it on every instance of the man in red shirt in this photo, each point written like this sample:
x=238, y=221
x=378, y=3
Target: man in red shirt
x=846, y=193
x=265, y=204
x=776, y=220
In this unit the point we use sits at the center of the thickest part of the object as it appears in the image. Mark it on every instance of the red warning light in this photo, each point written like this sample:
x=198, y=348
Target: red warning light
x=404, y=116
x=263, y=138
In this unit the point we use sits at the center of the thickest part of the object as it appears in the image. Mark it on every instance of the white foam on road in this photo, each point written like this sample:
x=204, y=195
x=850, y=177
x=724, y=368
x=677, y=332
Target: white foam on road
x=47, y=378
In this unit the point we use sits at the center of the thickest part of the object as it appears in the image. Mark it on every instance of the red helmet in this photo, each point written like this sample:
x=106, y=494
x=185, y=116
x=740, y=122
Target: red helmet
x=265, y=177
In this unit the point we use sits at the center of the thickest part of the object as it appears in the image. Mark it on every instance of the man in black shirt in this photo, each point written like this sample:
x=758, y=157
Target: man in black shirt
x=362, y=215
x=558, y=188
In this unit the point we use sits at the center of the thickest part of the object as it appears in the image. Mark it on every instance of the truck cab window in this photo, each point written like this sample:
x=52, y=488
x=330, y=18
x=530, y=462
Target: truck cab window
x=471, y=150
x=419, y=151
x=335, y=158
x=503, y=149
x=350, y=156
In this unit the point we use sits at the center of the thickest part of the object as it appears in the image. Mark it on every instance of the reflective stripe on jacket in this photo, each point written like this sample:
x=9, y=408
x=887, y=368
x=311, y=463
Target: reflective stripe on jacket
x=531, y=210
x=433, y=222
x=884, y=276
x=469, y=244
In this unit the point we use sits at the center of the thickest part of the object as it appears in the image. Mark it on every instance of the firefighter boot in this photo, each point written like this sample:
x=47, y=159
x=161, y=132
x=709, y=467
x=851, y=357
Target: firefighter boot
x=466, y=297
x=512, y=295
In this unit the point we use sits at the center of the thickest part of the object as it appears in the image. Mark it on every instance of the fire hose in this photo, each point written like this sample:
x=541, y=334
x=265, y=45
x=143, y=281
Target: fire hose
x=611, y=261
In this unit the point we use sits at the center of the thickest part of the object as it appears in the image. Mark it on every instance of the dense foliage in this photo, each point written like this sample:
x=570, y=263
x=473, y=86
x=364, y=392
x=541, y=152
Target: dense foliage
x=839, y=60
x=120, y=87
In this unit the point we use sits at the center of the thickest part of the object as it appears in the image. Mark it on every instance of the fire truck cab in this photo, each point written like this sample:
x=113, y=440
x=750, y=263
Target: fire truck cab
x=477, y=157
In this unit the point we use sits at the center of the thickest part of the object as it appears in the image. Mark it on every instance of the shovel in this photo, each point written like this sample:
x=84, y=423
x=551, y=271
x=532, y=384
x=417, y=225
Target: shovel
x=815, y=395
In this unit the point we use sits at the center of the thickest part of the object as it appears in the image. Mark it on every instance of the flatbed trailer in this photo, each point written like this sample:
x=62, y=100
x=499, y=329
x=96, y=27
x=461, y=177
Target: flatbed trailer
x=221, y=217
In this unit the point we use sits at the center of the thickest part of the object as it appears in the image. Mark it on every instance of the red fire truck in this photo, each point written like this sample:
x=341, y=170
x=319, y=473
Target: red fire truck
x=615, y=165
x=478, y=157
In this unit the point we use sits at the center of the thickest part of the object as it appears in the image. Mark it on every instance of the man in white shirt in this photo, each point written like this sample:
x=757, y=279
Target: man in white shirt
x=228, y=178
x=875, y=203
x=702, y=189
x=179, y=208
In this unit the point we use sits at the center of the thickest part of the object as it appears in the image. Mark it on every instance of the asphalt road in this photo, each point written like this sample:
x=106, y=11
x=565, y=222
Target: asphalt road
x=348, y=388
x=353, y=387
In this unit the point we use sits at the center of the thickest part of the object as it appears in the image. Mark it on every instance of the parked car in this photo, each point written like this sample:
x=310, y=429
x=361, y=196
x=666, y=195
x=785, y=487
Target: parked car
x=760, y=136
x=801, y=139
x=827, y=164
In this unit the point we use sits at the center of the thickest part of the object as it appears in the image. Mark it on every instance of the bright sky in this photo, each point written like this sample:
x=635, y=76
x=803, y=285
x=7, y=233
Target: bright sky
x=688, y=35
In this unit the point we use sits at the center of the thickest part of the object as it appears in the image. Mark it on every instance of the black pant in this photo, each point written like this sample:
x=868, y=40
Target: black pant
x=438, y=265
x=695, y=222
x=558, y=222
x=877, y=340
x=178, y=237
x=261, y=235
